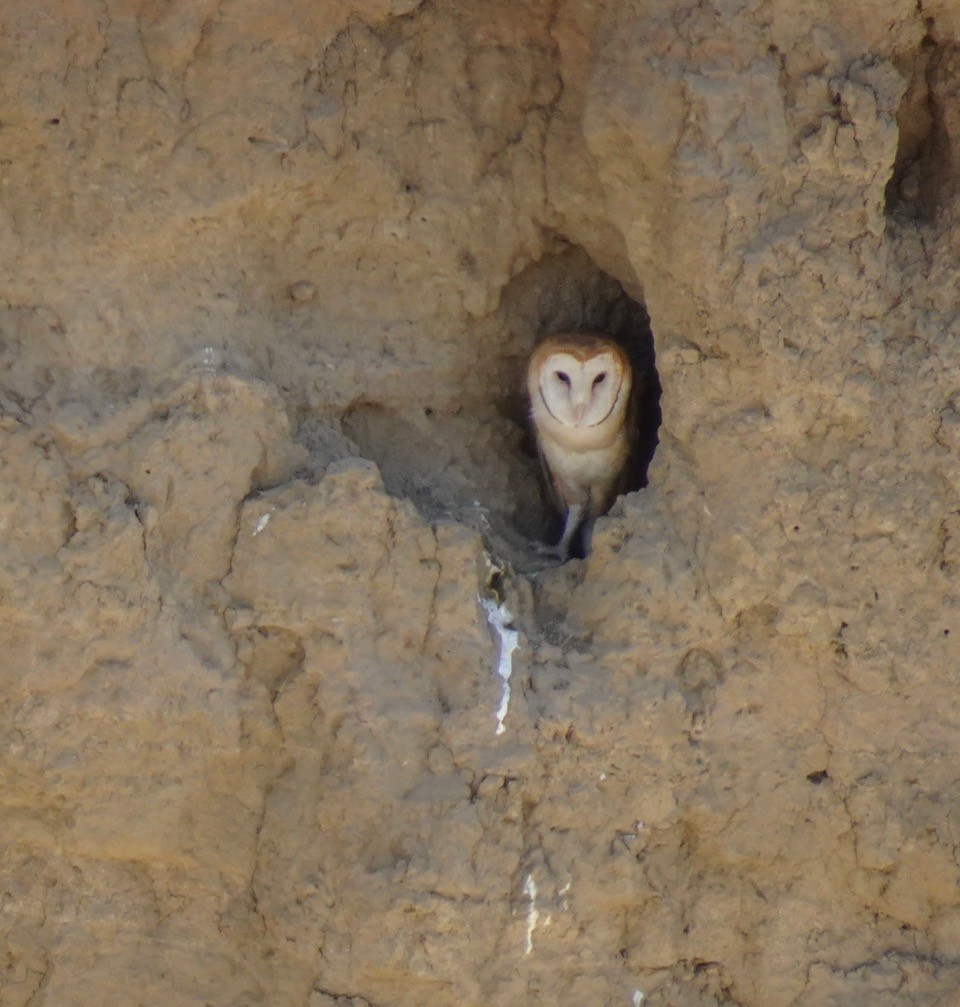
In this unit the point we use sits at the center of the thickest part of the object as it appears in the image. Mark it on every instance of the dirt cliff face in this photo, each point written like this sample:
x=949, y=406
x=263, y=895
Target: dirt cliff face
x=268, y=276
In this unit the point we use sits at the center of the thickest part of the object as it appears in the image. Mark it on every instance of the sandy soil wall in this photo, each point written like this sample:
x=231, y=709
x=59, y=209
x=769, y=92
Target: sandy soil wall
x=268, y=276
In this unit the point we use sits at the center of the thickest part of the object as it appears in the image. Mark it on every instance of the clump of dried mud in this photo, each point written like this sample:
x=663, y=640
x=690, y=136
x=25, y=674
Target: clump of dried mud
x=268, y=280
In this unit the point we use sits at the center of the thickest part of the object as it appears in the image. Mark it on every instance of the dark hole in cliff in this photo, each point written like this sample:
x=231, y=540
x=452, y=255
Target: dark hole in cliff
x=924, y=175
x=566, y=291
x=475, y=460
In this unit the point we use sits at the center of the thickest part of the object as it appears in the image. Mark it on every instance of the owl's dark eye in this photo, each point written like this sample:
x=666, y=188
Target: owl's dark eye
x=599, y=379
x=565, y=378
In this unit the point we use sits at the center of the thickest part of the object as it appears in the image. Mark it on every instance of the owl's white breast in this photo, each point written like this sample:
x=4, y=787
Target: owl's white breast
x=583, y=463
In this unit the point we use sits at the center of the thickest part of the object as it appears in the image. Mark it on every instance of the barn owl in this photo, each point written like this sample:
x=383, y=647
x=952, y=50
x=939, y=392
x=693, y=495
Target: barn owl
x=582, y=397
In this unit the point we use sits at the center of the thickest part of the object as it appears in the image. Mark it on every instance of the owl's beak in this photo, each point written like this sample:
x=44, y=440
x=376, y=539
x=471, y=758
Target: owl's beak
x=578, y=410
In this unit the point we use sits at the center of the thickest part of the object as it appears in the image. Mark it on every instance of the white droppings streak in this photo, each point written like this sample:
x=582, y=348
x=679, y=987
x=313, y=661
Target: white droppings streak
x=637, y=998
x=499, y=618
x=533, y=914
x=261, y=524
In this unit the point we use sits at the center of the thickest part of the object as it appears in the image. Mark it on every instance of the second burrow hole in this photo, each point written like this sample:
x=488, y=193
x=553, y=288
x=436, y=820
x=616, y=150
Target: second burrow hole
x=924, y=175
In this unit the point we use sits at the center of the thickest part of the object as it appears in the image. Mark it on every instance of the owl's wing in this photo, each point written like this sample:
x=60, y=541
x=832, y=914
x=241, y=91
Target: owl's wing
x=554, y=509
x=549, y=487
